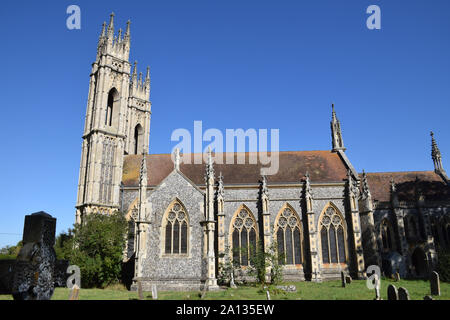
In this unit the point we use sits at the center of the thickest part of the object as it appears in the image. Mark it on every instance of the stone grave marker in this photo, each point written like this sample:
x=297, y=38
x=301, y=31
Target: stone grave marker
x=376, y=282
x=343, y=279
x=392, y=292
x=267, y=294
x=403, y=294
x=348, y=279
x=232, y=284
x=34, y=269
x=397, y=276
x=428, y=297
x=154, y=292
x=139, y=289
x=435, y=285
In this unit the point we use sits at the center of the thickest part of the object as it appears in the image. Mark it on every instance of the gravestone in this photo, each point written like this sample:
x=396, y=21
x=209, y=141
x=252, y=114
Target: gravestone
x=154, y=292
x=403, y=294
x=289, y=288
x=203, y=292
x=268, y=295
x=428, y=297
x=232, y=284
x=392, y=292
x=343, y=279
x=34, y=269
x=435, y=285
x=397, y=276
x=348, y=279
x=74, y=293
x=139, y=289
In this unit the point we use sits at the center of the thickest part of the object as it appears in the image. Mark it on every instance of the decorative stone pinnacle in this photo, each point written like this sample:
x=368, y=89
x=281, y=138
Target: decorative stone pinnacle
x=264, y=188
x=177, y=159
x=308, y=183
x=220, y=188
x=143, y=172
x=209, y=165
x=393, y=187
x=365, y=186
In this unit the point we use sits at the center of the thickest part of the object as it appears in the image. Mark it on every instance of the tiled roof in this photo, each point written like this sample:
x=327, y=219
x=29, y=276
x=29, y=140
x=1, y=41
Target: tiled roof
x=323, y=166
x=429, y=183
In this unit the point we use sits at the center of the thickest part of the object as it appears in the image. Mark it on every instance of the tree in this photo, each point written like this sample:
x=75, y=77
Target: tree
x=10, y=252
x=97, y=248
x=262, y=260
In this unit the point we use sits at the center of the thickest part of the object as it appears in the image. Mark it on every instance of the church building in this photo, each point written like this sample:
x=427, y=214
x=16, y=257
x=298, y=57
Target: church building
x=185, y=220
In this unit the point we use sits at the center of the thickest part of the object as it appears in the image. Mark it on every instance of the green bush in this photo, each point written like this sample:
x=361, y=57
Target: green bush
x=96, y=246
x=443, y=265
x=261, y=260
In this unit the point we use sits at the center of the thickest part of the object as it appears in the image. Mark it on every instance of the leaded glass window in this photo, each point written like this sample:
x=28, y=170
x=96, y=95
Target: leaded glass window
x=176, y=230
x=244, y=237
x=386, y=235
x=288, y=236
x=332, y=237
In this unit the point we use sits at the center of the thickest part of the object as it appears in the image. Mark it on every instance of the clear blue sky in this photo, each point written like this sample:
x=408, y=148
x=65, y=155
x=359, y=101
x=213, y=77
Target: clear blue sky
x=232, y=64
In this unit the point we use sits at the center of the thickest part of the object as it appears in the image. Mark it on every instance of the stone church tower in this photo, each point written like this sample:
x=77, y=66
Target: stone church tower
x=117, y=122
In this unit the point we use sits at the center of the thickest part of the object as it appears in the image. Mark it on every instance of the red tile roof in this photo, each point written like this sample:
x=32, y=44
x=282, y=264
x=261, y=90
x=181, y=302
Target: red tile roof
x=429, y=183
x=323, y=166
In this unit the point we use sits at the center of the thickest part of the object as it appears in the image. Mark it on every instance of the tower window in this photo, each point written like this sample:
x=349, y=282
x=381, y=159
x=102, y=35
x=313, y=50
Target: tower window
x=111, y=106
x=138, y=139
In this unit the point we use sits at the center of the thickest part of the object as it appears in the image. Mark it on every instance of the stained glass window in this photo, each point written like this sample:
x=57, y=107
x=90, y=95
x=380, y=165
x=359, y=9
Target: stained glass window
x=289, y=237
x=176, y=230
x=244, y=236
x=332, y=237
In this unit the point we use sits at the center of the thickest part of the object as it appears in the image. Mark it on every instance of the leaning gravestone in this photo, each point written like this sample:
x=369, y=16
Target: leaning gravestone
x=33, y=277
x=435, y=285
x=376, y=282
x=403, y=294
x=268, y=295
x=392, y=292
x=397, y=276
x=428, y=298
x=139, y=289
x=348, y=279
x=343, y=279
x=232, y=284
x=154, y=292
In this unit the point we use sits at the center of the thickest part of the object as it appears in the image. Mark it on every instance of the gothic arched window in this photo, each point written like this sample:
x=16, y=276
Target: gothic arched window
x=243, y=236
x=332, y=237
x=138, y=139
x=386, y=235
x=112, y=98
x=410, y=227
x=288, y=237
x=176, y=230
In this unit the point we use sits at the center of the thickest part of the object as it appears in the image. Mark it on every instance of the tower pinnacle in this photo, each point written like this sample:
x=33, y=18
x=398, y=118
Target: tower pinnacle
x=336, y=134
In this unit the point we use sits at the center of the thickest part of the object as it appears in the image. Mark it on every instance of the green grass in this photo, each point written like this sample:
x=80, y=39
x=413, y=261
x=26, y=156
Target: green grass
x=330, y=290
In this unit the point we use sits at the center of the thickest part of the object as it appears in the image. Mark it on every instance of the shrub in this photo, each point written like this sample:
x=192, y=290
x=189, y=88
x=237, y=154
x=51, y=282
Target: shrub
x=261, y=260
x=443, y=265
x=97, y=248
